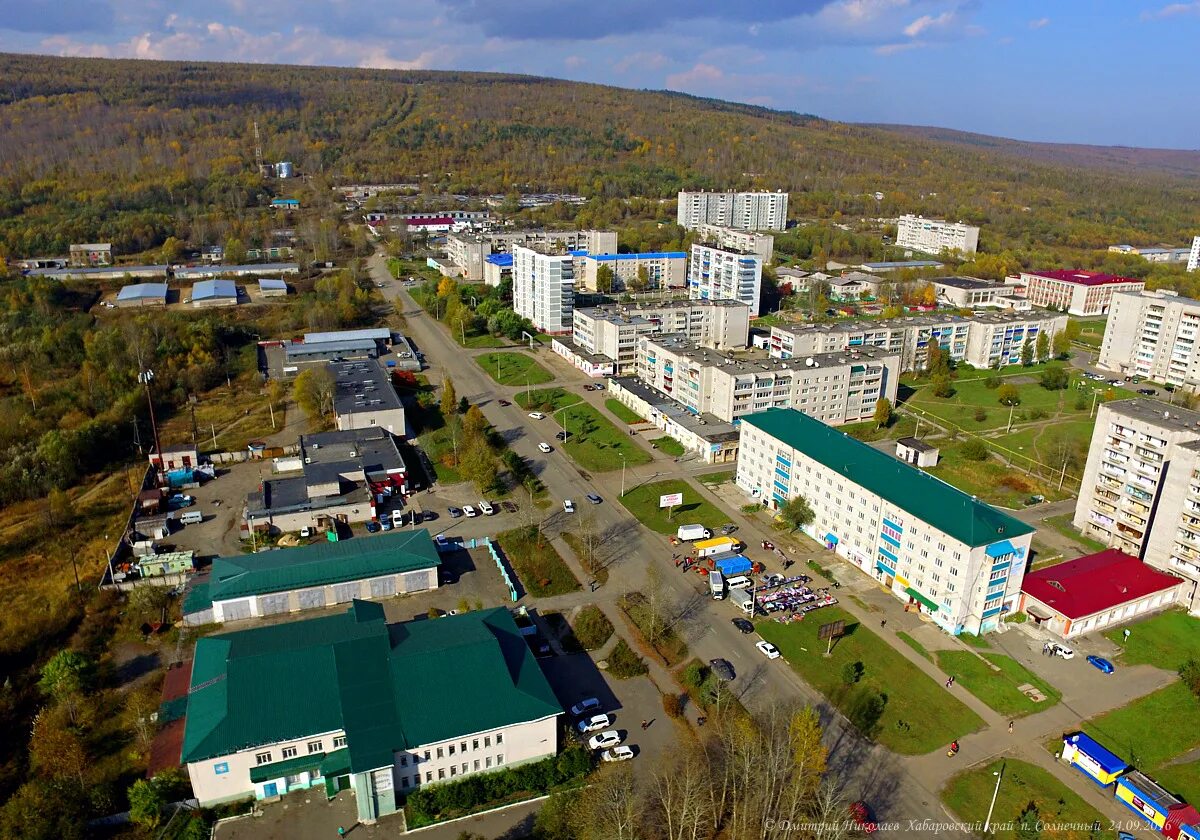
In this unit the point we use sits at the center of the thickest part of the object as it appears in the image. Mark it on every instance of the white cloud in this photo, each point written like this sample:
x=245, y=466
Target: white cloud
x=1172, y=10
x=574, y=62
x=904, y=46
x=926, y=22
x=641, y=61
x=1040, y=23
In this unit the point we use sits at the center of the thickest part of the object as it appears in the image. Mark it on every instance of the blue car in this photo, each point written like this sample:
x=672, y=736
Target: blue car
x=1101, y=663
x=372, y=527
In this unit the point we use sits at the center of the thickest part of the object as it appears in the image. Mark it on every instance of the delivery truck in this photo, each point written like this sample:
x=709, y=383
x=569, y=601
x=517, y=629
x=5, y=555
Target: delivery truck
x=716, y=585
x=689, y=533
x=717, y=545
x=734, y=565
x=743, y=599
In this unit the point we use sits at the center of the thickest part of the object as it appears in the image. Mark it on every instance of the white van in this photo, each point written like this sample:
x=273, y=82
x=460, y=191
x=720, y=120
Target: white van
x=740, y=582
x=486, y=507
x=191, y=517
x=397, y=518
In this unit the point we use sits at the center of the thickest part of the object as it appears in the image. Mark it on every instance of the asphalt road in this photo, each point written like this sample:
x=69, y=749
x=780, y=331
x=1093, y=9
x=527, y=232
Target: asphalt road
x=868, y=772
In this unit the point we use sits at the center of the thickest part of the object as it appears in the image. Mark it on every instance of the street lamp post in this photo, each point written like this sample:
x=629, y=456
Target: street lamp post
x=999, y=774
x=622, y=475
x=146, y=377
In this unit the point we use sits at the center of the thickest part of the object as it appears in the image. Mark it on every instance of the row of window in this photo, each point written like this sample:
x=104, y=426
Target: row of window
x=449, y=749
x=454, y=770
x=313, y=747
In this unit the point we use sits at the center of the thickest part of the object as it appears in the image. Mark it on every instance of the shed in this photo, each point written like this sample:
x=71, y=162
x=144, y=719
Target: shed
x=1085, y=754
x=172, y=562
x=214, y=293
x=916, y=452
x=142, y=294
x=1095, y=591
x=272, y=287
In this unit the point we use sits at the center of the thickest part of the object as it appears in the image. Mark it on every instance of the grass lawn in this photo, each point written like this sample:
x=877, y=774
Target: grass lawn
x=592, y=627
x=595, y=443
x=1063, y=525
x=546, y=399
x=539, y=566
x=969, y=794
x=905, y=725
x=623, y=663
x=969, y=395
x=1166, y=641
x=595, y=566
x=667, y=643
x=623, y=412
x=642, y=502
x=1181, y=779
x=990, y=480
x=914, y=644
x=718, y=477
x=901, y=426
x=1091, y=333
x=483, y=340
x=997, y=688
x=669, y=445
x=513, y=369
x=1138, y=732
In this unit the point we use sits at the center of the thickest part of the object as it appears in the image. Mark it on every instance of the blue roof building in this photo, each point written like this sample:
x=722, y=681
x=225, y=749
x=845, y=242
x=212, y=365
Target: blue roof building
x=214, y=293
x=142, y=294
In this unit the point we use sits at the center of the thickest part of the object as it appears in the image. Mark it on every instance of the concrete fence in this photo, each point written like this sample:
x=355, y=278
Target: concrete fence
x=501, y=564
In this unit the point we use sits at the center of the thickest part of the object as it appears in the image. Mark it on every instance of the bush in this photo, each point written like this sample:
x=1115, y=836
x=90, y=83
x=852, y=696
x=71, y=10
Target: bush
x=1081, y=403
x=852, y=672
x=980, y=415
x=592, y=627
x=672, y=705
x=1016, y=482
x=975, y=450
x=992, y=382
x=1189, y=672
x=623, y=663
x=694, y=674
x=1037, y=414
x=1055, y=378
x=941, y=386
x=1008, y=394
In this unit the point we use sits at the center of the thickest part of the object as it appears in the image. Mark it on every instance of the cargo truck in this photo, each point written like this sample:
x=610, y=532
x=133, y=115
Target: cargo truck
x=717, y=545
x=716, y=585
x=743, y=600
x=690, y=533
x=735, y=565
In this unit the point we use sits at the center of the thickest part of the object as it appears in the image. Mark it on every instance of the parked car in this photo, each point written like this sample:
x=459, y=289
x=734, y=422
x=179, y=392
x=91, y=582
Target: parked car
x=306, y=532
x=744, y=624
x=1055, y=649
x=594, y=499
x=562, y=435
x=767, y=649
x=486, y=508
x=617, y=754
x=372, y=527
x=536, y=415
x=454, y=512
x=545, y=447
x=568, y=506
x=1101, y=663
x=385, y=524
x=469, y=511
x=594, y=723
x=605, y=740
x=397, y=517
x=1149, y=392
x=722, y=669
x=588, y=704
x=728, y=529
x=504, y=402
x=862, y=817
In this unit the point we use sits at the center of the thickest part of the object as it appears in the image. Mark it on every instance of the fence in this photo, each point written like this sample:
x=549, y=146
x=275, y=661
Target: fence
x=502, y=565
x=123, y=549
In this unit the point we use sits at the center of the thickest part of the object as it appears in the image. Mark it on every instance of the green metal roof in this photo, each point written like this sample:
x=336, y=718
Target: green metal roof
x=288, y=767
x=387, y=687
x=197, y=599
x=929, y=602
x=319, y=564
x=926, y=497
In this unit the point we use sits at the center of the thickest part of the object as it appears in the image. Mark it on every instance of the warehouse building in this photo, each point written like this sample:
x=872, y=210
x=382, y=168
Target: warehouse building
x=365, y=397
x=314, y=576
x=942, y=552
x=272, y=287
x=142, y=294
x=214, y=293
x=348, y=701
x=113, y=272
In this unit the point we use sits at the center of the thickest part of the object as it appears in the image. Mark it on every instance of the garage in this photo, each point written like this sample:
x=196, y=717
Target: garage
x=383, y=587
x=275, y=604
x=311, y=599
x=417, y=581
x=236, y=610
x=345, y=592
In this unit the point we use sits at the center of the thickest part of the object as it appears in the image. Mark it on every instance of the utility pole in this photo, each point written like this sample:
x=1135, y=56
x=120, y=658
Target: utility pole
x=271, y=406
x=999, y=774
x=1063, y=475
x=146, y=377
x=1095, y=397
x=622, y=475
x=1011, y=408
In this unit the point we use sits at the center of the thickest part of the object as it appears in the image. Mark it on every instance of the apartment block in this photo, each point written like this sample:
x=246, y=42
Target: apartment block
x=985, y=339
x=468, y=252
x=1141, y=487
x=835, y=388
x=968, y=292
x=1076, y=292
x=663, y=269
x=544, y=288
x=738, y=210
x=932, y=236
x=613, y=331
x=725, y=274
x=750, y=241
x=1153, y=335
x=1193, y=262
x=940, y=551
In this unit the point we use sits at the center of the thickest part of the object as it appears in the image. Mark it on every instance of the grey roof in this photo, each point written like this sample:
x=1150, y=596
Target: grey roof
x=750, y=364
x=1155, y=413
x=184, y=272
x=143, y=291
x=375, y=334
x=362, y=386
x=374, y=449
x=294, y=350
x=210, y=289
x=965, y=283
x=919, y=445
x=712, y=428
x=101, y=271
x=272, y=283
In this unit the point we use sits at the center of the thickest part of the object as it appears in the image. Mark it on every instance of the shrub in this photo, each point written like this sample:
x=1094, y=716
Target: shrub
x=694, y=674
x=1189, y=672
x=980, y=415
x=672, y=705
x=1007, y=394
x=1038, y=414
x=941, y=386
x=623, y=663
x=1081, y=403
x=852, y=672
x=975, y=450
x=1016, y=482
x=992, y=382
x=592, y=627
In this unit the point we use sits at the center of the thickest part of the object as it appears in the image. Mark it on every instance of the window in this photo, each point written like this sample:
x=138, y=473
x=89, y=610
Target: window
x=262, y=758
x=453, y=770
x=426, y=755
x=475, y=743
x=404, y=760
x=441, y=773
x=477, y=764
x=289, y=752
x=499, y=760
x=464, y=767
x=451, y=750
x=314, y=747
x=499, y=738
x=462, y=747
x=339, y=742
x=429, y=775
x=487, y=762
x=440, y=753
x=222, y=768
x=404, y=781
x=487, y=740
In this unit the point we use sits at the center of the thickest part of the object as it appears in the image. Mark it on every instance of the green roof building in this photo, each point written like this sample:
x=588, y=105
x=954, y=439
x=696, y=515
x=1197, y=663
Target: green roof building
x=313, y=576
x=929, y=542
x=348, y=700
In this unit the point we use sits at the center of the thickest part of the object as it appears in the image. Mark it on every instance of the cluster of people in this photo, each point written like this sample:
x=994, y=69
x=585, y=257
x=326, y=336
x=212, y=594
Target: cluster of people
x=797, y=600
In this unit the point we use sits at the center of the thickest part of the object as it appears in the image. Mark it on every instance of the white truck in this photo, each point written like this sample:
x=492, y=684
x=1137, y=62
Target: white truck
x=689, y=533
x=743, y=599
x=716, y=585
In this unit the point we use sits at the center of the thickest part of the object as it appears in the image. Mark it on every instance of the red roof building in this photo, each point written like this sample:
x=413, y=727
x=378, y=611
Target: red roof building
x=1074, y=291
x=1094, y=592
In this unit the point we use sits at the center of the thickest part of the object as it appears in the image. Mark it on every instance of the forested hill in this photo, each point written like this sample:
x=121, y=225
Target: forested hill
x=133, y=151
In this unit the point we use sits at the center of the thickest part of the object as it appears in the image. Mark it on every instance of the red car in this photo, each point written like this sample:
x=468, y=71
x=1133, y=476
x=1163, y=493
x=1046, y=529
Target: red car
x=862, y=817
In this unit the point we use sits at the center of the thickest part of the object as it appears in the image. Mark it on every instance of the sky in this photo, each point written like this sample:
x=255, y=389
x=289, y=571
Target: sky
x=1107, y=72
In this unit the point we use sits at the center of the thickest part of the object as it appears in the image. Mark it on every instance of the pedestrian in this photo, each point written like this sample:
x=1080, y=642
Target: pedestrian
x=1010, y=727
x=952, y=679
x=645, y=723
x=700, y=720
x=882, y=623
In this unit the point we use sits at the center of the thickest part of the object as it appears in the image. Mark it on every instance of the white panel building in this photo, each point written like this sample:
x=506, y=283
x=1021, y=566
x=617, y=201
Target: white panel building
x=725, y=274
x=1153, y=335
x=740, y=210
x=932, y=236
x=544, y=289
